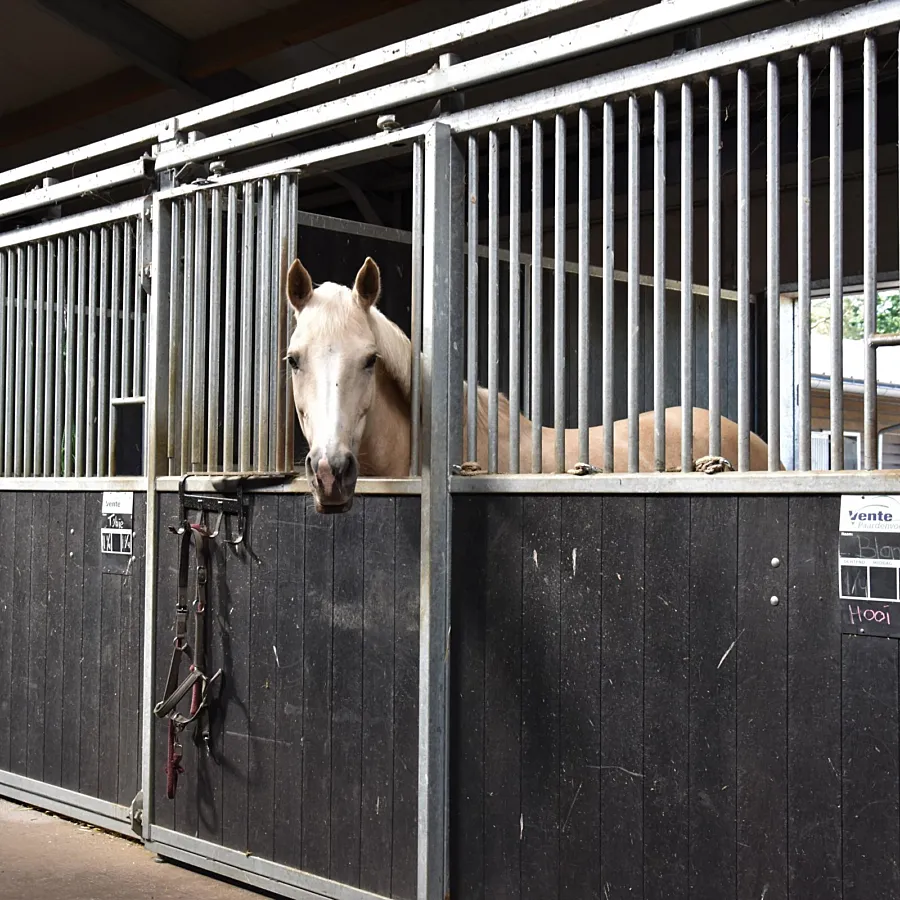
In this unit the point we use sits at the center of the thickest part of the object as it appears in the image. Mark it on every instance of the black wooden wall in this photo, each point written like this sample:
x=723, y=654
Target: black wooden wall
x=632, y=717
x=70, y=645
x=315, y=623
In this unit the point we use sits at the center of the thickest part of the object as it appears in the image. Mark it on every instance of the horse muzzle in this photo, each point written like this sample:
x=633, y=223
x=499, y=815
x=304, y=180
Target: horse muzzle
x=332, y=480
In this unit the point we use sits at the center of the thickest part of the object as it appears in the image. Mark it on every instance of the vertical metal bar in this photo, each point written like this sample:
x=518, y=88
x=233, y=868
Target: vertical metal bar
x=715, y=265
x=293, y=204
x=441, y=325
x=584, y=284
x=415, y=403
x=137, y=368
x=559, y=297
x=537, y=295
x=515, y=295
x=870, y=220
x=41, y=372
x=59, y=342
x=20, y=362
x=247, y=312
x=804, y=197
x=773, y=272
x=526, y=339
x=187, y=338
x=127, y=298
x=264, y=293
x=687, y=279
x=231, y=336
x=659, y=280
x=634, y=296
x=103, y=383
x=155, y=466
x=215, y=332
x=836, y=256
x=472, y=312
x=279, y=271
x=116, y=328
x=276, y=358
x=608, y=287
x=6, y=285
x=93, y=285
x=201, y=302
x=175, y=342
x=50, y=293
x=493, y=298
x=81, y=377
x=28, y=427
x=743, y=271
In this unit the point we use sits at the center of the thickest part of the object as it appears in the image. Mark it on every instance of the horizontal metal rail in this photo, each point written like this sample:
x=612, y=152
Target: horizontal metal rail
x=75, y=222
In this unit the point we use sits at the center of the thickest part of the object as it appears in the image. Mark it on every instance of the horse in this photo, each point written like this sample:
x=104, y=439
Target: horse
x=350, y=368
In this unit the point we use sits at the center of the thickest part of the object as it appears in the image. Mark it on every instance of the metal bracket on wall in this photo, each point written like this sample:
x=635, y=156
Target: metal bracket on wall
x=136, y=814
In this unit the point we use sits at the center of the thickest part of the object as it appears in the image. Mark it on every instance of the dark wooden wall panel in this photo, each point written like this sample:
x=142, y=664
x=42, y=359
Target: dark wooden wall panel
x=71, y=621
x=314, y=621
x=679, y=735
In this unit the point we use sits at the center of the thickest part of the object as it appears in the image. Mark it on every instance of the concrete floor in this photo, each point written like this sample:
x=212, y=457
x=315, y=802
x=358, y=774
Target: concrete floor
x=43, y=857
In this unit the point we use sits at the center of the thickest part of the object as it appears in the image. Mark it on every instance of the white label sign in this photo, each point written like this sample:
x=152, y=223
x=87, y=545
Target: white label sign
x=121, y=502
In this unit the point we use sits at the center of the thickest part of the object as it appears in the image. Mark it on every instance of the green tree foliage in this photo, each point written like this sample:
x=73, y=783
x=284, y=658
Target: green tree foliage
x=888, y=315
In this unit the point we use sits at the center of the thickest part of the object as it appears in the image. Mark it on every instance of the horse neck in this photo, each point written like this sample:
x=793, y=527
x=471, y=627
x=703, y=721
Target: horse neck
x=385, y=448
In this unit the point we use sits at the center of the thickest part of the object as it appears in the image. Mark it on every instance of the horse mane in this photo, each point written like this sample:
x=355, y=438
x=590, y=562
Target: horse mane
x=394, y=348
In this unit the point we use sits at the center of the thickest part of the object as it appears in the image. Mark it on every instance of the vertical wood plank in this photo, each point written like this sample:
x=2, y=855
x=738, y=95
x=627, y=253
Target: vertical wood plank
x=289, y=714
x=467, y=652
x=761, y=660
x=91, y=661
x=666, y=697
x=317, y=676
x=581, y=568
x=37, y=638
x=74, y=590
x=540, y=822
x=56, y=603
x=350, y=598
x=110, y=601
x=21, y=613
x=871, y=844
x=712, y=740
x=814, y=700
x=377, y=714
x=7, y=555
x=406, y=692
x=263, y=678
x=500, y=591
x=622, y=684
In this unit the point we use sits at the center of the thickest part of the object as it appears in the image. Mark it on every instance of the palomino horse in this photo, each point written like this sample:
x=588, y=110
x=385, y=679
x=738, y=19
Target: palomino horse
x=350, y=368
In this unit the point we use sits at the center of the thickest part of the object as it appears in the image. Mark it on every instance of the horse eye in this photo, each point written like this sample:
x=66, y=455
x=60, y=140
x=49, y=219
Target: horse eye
x=371, y=360
x=292, y=361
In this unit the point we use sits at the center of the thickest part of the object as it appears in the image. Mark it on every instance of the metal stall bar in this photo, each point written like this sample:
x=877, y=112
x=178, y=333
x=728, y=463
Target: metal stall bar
x=441, y=361
x=472, y=312
x=659, y=276
x=9, y=314
x=687, y=277
x=28, y=428
x=69, y=348
x=537, y=295
x=49, y=335
x=81, y=354
x=19, y=361
x=245, y=402
x=609, y=150
x=5, y=263
x=773, y=268
x=493, y=360
x=714, y=201
x=634, y=296
x=870, y=262
x=836, y=250
x=137, y=369
x=526, y=339
x=263, y=293
x=743, y=270
x=293, y=204
x=281, y=333
x=198, y=341
x=584, y=283
x=231, y=253
x=559, y=297
x=187, y=338
x=59, y=338
x=804, y=198
x=515, y=303
x=277, y=364
x=415, y=380
x=175, y=337
x=116, y=329
x=103, y=408
x=40, y=368
x=128, y=277
x=93, y=285
x=215, y=331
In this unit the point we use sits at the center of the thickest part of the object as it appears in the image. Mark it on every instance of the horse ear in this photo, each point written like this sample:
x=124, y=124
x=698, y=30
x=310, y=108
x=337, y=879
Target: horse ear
x=367, y=286
x=299, y=285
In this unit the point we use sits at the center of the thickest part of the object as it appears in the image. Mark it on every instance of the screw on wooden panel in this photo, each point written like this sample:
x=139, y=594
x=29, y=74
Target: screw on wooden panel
x=773, y=601
x=776, y=562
